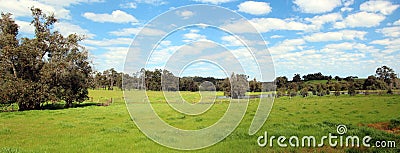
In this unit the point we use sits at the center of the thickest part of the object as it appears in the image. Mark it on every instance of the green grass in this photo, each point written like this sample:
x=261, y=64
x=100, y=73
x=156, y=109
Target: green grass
x=110, y=129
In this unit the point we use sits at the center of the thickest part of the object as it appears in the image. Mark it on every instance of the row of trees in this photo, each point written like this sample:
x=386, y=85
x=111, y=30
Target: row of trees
x=157, y=80
x=47, y=67
x=384, y=79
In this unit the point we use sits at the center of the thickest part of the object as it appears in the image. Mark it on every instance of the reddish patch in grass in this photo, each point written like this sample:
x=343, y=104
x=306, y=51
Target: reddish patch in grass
x=385, y=126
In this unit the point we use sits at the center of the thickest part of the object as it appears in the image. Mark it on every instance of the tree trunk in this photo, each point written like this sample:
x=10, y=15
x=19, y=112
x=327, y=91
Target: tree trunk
x=68, y=103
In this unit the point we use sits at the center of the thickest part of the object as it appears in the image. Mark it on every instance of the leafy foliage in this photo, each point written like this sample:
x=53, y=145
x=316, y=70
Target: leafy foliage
x=29, y=77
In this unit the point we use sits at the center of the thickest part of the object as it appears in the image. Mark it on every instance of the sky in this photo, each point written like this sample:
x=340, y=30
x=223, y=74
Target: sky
x=286, y=37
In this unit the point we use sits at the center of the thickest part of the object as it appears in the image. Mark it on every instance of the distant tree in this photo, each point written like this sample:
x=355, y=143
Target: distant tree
x=281, y=92
x=187, y=84
x=236, y=86
x=226, y=86
x=254, y=85
x=337, y=78
x=350, y=78
x=387, y=75
x=304, y=92
x=292, y=93
x=369, y=83
x=321, y=89
x=351, y=89
x=281, y=82
x=296, y=78
x=169, y=81
x=337, y=89
x=239, y=85
x=316, y=76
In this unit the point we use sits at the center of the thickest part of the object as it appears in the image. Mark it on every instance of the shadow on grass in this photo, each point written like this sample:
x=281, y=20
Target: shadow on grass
x=57, y=106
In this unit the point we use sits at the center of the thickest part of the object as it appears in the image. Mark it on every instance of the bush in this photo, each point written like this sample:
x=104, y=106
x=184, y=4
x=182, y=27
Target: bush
x=394, y=123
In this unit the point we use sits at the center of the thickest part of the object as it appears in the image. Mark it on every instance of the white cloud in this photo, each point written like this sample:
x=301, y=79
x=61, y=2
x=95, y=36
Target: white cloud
x=386, y=42
x=267, y=24
x=25, y=27
x=66, y=3
x=391, y=45
x=255, y=8
x=21, y=8
x=152, y=2
x=319, y=21
x=317, y=6
x=276, y=36
x=346, y=4
x=293, y=42
x=66, y=28
x=130, y=5
x=214, y=1
x=336, y=36
x=134, y=31
x=390, y=31
x=396, y=22
x=340, y=46
x=361, y=19
x=231, y=41
x=287, y=46
x=193, y=36
x=185, y=14
x=116, y=16
x=114, y=57
x=234, y=41
x=383, y=7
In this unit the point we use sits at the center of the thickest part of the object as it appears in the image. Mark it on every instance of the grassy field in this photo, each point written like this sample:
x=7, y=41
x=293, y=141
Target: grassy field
x=91, y=128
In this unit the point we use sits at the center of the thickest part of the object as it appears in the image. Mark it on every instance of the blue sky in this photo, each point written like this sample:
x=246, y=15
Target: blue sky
x=336, y=37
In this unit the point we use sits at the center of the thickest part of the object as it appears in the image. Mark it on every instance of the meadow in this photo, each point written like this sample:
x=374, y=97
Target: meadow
x=92, y=128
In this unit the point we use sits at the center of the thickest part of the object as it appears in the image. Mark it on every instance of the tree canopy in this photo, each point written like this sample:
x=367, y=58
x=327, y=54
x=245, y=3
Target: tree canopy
x=47, y=67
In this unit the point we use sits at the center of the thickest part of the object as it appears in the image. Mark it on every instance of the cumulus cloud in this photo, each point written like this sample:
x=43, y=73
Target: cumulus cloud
x=396, y=22
x=21, y=8
x=320, y=20
x=276, y=36
x=360, y=19
x=336, y=36
x=383, y=7
x=214, y=1
x=390, y=31
x=185, y=14
x=130, y=5
x=268, y=24
x=116, y=16
x=255, y=8
x=193, y=35
x=67, y=28
x=152, y=2
x=25, y=27
x=287, y=45
x=316, y=6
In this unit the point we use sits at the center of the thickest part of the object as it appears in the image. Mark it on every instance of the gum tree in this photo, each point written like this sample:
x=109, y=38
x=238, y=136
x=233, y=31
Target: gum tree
x=47, y=67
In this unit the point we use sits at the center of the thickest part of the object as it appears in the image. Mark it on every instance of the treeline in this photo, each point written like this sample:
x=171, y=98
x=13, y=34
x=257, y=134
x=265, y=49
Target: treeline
x=384, y=79
x=316, y=83
x=110, y=78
